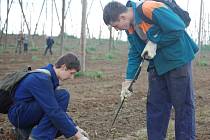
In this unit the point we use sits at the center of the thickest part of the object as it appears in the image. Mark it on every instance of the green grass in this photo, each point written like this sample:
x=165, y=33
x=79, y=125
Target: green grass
x=90, y=49
x=35, y=58
x=90, y=74
x=34, y=49
x=205, y=48
x=202, y=63
x=110, y=56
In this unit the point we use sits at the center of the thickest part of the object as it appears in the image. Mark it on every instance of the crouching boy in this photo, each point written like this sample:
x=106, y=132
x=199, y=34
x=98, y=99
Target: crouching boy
x=39, y=108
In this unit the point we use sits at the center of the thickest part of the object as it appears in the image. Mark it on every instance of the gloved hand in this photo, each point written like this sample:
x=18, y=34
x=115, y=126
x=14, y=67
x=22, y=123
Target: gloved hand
x=149, y=51
x=83, y=132
x=125, y=92
x=83, y=138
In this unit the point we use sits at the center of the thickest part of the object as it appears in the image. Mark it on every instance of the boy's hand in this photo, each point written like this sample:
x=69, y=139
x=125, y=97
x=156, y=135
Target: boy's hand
x=149, y=51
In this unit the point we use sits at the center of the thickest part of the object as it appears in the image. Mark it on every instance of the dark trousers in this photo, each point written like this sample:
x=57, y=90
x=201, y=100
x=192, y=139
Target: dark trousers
x=25, y=45
x=175, y=88
x=18, y=48
x=48, y=48
x=38, y=124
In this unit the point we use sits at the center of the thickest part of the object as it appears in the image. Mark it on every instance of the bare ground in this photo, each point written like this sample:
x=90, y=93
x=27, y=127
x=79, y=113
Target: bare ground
x=94, y=100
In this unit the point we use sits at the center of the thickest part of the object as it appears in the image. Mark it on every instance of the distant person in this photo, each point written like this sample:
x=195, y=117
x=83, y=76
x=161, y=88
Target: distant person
x=39, y=108
x=25, y=44
x=19, y=43
x=49, y=43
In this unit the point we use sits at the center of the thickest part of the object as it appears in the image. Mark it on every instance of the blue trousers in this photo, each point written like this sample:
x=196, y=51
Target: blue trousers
x=48, y=48
x=38, y=123
x=175, y=88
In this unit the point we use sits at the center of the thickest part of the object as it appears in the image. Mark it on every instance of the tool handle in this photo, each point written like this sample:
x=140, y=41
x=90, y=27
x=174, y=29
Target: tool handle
x=130, y=89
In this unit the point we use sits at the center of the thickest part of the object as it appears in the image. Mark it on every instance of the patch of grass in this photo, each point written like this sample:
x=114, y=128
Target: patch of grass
x=205, y=48
x=90, y=49
x=202, y=63
x=109, y=56
x=66, y=49
x=35, y=58
x=11, y=46
x=34, y=49
x=90, y=74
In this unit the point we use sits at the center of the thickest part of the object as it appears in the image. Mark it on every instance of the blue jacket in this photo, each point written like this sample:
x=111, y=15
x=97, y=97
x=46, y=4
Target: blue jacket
x=174, y=46
x=50, y=41
x=41, y=87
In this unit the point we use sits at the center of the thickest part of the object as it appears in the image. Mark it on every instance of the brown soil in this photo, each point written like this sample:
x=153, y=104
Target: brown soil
x=95, y=100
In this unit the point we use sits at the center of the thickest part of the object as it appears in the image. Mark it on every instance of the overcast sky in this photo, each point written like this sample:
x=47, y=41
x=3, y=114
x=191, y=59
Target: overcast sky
x=73, y=19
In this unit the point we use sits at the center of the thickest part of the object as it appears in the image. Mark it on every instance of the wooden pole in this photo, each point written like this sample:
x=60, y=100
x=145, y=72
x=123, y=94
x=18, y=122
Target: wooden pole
x=8, y=10
x=110, y=38
x=83, y=34
x=199, y=31
x=51, y=16
x=62, y=27
x=56, y=10
x=0, y=15
x=24, y=17
x=39, y=17
x=208, y=30
x=5, y=45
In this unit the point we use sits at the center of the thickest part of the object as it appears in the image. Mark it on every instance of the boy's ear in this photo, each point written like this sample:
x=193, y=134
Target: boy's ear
x=63, y=67
x=122, y=16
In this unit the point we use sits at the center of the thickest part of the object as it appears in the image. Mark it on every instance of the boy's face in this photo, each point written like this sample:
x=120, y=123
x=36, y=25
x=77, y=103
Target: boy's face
x=67, y=73
x=123, y=22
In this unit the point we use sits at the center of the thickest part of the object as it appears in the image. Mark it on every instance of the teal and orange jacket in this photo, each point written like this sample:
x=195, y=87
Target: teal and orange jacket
x=174, y=46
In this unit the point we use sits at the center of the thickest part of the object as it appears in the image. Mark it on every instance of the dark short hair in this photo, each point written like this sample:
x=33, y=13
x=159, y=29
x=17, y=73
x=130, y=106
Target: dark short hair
x=70, y=60
x=112, y=11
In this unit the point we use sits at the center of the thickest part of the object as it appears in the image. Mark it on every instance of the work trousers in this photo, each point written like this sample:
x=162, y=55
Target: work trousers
x=174, y=88
x=37, y=123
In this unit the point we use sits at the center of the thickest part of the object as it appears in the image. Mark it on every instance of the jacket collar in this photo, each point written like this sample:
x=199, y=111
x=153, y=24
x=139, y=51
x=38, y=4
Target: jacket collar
x=54, y=77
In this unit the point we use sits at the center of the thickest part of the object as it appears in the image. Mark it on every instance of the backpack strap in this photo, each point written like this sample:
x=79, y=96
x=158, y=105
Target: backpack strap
x=45, y=71
x=141, y=14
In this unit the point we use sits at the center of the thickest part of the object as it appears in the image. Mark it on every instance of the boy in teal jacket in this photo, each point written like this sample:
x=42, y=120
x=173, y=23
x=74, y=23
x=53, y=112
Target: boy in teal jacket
x=170, y=50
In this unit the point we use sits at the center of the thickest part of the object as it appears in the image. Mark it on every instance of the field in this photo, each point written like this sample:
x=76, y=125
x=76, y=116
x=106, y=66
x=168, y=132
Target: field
x=95, y=93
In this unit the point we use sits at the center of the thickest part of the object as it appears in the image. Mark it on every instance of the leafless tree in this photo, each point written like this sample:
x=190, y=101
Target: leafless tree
x=200, y=24
x=62, y=27
x=83, y=34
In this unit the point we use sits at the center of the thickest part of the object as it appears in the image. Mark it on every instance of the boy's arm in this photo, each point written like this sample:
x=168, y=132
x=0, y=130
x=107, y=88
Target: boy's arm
x=134, y=55
x=42, y=90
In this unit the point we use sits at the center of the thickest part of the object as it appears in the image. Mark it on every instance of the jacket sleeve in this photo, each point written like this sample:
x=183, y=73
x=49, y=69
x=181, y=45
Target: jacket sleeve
x=42, y=90
x=134, y=55
x=168, y=27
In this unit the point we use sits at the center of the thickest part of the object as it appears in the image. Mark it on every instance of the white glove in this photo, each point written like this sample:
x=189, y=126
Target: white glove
x=149, y=51
x=83, y=138
x=125, y=92
x=83, y=132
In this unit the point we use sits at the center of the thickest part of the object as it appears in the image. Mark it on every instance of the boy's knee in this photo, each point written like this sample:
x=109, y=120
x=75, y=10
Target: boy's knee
x=63, y=94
